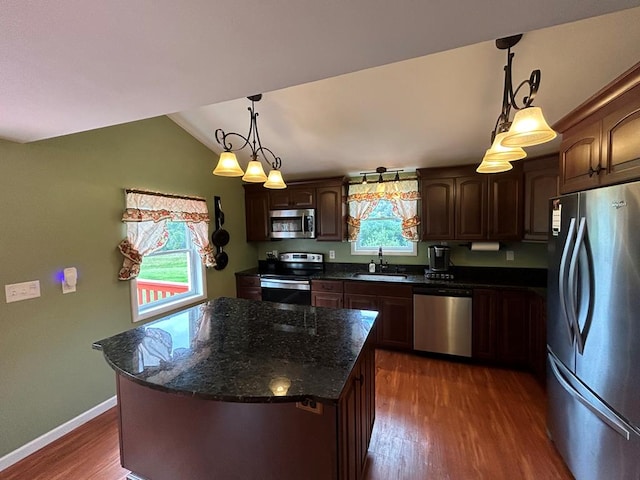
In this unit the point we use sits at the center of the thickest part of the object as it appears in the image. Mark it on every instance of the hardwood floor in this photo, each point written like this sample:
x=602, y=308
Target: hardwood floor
x=435, y=420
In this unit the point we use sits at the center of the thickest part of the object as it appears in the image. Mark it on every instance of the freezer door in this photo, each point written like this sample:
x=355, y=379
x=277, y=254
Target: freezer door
x=560, y=333
x=609, y=321
x=595, y=443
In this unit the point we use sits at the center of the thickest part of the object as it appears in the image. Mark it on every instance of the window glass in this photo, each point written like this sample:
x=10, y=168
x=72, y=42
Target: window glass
x=382, y=229
x=170, y=277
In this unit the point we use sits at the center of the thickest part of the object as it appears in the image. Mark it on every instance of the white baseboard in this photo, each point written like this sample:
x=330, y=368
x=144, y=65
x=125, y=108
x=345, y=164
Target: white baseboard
x=44, y=440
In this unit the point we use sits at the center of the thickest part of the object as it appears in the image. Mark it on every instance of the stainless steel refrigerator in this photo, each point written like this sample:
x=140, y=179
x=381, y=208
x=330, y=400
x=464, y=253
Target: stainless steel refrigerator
x=593, y=339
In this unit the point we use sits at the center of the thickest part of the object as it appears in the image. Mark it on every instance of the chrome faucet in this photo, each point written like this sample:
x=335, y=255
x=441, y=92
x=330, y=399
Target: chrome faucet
x=380, y=258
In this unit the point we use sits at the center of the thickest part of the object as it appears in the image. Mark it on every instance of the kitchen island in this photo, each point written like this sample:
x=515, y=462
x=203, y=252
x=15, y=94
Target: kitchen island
x=242, y=389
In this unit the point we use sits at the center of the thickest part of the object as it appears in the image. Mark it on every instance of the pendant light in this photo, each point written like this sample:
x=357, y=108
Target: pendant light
x=528, y=127
x=228, y=165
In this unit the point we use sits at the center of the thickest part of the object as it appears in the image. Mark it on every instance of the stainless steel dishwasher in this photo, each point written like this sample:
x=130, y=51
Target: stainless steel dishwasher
x=442, y=320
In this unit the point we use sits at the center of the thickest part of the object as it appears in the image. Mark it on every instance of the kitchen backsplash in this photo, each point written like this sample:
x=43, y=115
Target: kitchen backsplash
x=530, y=255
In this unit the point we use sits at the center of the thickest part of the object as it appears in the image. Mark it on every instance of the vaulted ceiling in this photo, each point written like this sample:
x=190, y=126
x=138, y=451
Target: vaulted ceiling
x=348, y=86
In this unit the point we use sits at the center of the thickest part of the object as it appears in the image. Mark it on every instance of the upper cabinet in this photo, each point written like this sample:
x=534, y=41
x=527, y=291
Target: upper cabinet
x=326, y=196
x=601, y=138
x=292, y=197
x=460, y=204
x=541, y=182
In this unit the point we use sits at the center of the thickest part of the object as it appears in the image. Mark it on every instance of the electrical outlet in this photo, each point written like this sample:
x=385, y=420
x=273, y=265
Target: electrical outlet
x=332, y=254
x=510, y=255
x=22, y=291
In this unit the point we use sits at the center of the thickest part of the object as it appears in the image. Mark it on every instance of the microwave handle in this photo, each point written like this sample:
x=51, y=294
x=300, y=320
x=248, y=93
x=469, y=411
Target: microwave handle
x=308, y=220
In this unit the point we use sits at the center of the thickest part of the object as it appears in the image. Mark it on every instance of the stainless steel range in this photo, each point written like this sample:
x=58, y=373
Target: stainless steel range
x=290, y=281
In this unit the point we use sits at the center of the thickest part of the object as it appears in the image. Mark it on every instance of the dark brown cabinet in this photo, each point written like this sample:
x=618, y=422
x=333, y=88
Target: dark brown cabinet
x=460, y=204
x=256, y=202
x=325, y=195
x=327, y=293
x=248, y=286
x=601, y=137
x=357, y=415
x=394, y=324
x=538, y=337
x=501, y=326
x=541, y=182
x=437, y=218
x=292, y=197
x=330, y=213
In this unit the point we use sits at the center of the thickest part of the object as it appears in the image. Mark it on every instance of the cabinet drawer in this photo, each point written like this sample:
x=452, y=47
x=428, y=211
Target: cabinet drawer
x=247, y=281
x=326, y=286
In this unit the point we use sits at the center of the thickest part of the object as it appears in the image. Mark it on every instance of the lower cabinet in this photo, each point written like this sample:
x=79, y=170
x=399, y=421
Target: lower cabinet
x=501, y=326
x=357, y=415
x=248, y=286
x=538, y=337
x=327, y=293
x=395, y=310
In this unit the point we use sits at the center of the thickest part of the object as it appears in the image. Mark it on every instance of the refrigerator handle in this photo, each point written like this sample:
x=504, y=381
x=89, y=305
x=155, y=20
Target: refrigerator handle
x=573, y=285
x=562, y=278
x=614, y=423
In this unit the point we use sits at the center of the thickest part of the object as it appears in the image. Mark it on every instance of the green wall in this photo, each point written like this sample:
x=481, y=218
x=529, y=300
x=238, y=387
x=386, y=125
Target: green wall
x=533, y=255
x=62, y=200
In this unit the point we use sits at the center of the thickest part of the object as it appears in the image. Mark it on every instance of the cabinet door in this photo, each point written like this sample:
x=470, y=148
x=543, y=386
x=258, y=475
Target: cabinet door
x=541, y=182
x=395, y=324
x=580, y=159
x=485, y=304
x=329, y=213
x=505, y=210
x=471, y=208
x=621, y=140
x=538, y=337
x=359, y=301
x=438, y=211
x=326, y=299
x=292, y=197
x=513, y=328
x=349, y=446
x=257, y=216
x=248, y=286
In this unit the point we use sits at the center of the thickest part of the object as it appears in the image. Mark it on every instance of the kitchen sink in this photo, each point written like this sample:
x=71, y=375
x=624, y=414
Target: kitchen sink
x=380, y=276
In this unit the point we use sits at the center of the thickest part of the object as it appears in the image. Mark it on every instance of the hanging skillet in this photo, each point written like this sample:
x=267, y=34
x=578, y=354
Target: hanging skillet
x=220, y=237
x=221, y=258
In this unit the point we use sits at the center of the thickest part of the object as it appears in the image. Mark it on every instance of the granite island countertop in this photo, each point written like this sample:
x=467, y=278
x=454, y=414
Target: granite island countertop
x=239, y=350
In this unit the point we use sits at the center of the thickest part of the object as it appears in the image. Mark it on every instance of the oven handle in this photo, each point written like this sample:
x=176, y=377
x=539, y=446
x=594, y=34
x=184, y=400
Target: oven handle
x=286, y=284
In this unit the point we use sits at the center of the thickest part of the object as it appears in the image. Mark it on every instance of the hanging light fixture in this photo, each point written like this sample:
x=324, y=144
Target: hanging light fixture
x=380, y=171
x=228, y=165
x=528, y=127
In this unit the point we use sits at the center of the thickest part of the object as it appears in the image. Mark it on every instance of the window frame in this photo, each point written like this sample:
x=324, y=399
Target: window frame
x=197, y=278
x=387, y=250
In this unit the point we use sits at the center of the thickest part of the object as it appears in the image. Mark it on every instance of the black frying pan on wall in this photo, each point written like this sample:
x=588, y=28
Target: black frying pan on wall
x=220, y=237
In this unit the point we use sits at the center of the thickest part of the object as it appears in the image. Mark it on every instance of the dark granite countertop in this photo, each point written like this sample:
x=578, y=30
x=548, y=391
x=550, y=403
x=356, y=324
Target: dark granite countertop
x=465, y=277
x=244, y=351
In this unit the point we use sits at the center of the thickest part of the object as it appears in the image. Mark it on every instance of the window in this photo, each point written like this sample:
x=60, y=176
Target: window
x=382, y=229
x=170, y=277
x=165, y=252
x=383, y=214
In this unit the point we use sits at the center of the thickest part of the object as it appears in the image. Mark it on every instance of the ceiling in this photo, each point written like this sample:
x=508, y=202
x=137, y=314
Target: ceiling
x=348, y=86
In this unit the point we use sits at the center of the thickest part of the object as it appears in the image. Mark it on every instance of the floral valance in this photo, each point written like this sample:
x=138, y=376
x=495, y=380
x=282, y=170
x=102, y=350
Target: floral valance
x=146, y=215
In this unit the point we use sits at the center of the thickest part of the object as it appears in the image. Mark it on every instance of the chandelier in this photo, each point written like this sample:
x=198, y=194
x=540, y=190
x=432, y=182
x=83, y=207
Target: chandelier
x=528, y=127
x=228, y=165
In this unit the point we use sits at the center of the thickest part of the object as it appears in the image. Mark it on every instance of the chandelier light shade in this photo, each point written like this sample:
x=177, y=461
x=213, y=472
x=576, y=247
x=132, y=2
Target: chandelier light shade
x=528, y=127
x=493, y=166
x=499, y=152
x=228, y=163
x=255, y=173
x=275, y=180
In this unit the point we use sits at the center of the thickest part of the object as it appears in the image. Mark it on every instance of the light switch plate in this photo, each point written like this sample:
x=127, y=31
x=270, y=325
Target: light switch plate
x=510, y=255
x=22, y=291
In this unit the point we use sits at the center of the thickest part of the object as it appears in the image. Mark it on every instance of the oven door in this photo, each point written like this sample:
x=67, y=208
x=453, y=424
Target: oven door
x=297, y=292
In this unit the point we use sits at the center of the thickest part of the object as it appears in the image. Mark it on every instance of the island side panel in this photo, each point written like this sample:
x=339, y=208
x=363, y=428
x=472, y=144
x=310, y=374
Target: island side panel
x=166, y=436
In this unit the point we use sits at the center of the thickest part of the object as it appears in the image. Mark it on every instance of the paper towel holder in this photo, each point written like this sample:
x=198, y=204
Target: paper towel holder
x=468, y=245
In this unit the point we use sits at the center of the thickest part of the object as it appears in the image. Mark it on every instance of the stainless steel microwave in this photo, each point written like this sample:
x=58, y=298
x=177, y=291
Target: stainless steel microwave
x=292, y=223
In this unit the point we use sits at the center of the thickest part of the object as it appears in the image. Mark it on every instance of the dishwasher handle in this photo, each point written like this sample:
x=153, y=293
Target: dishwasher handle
x=443, y=292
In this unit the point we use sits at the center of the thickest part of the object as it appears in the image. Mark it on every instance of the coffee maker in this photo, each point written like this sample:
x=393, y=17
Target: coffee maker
x=438, y=260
